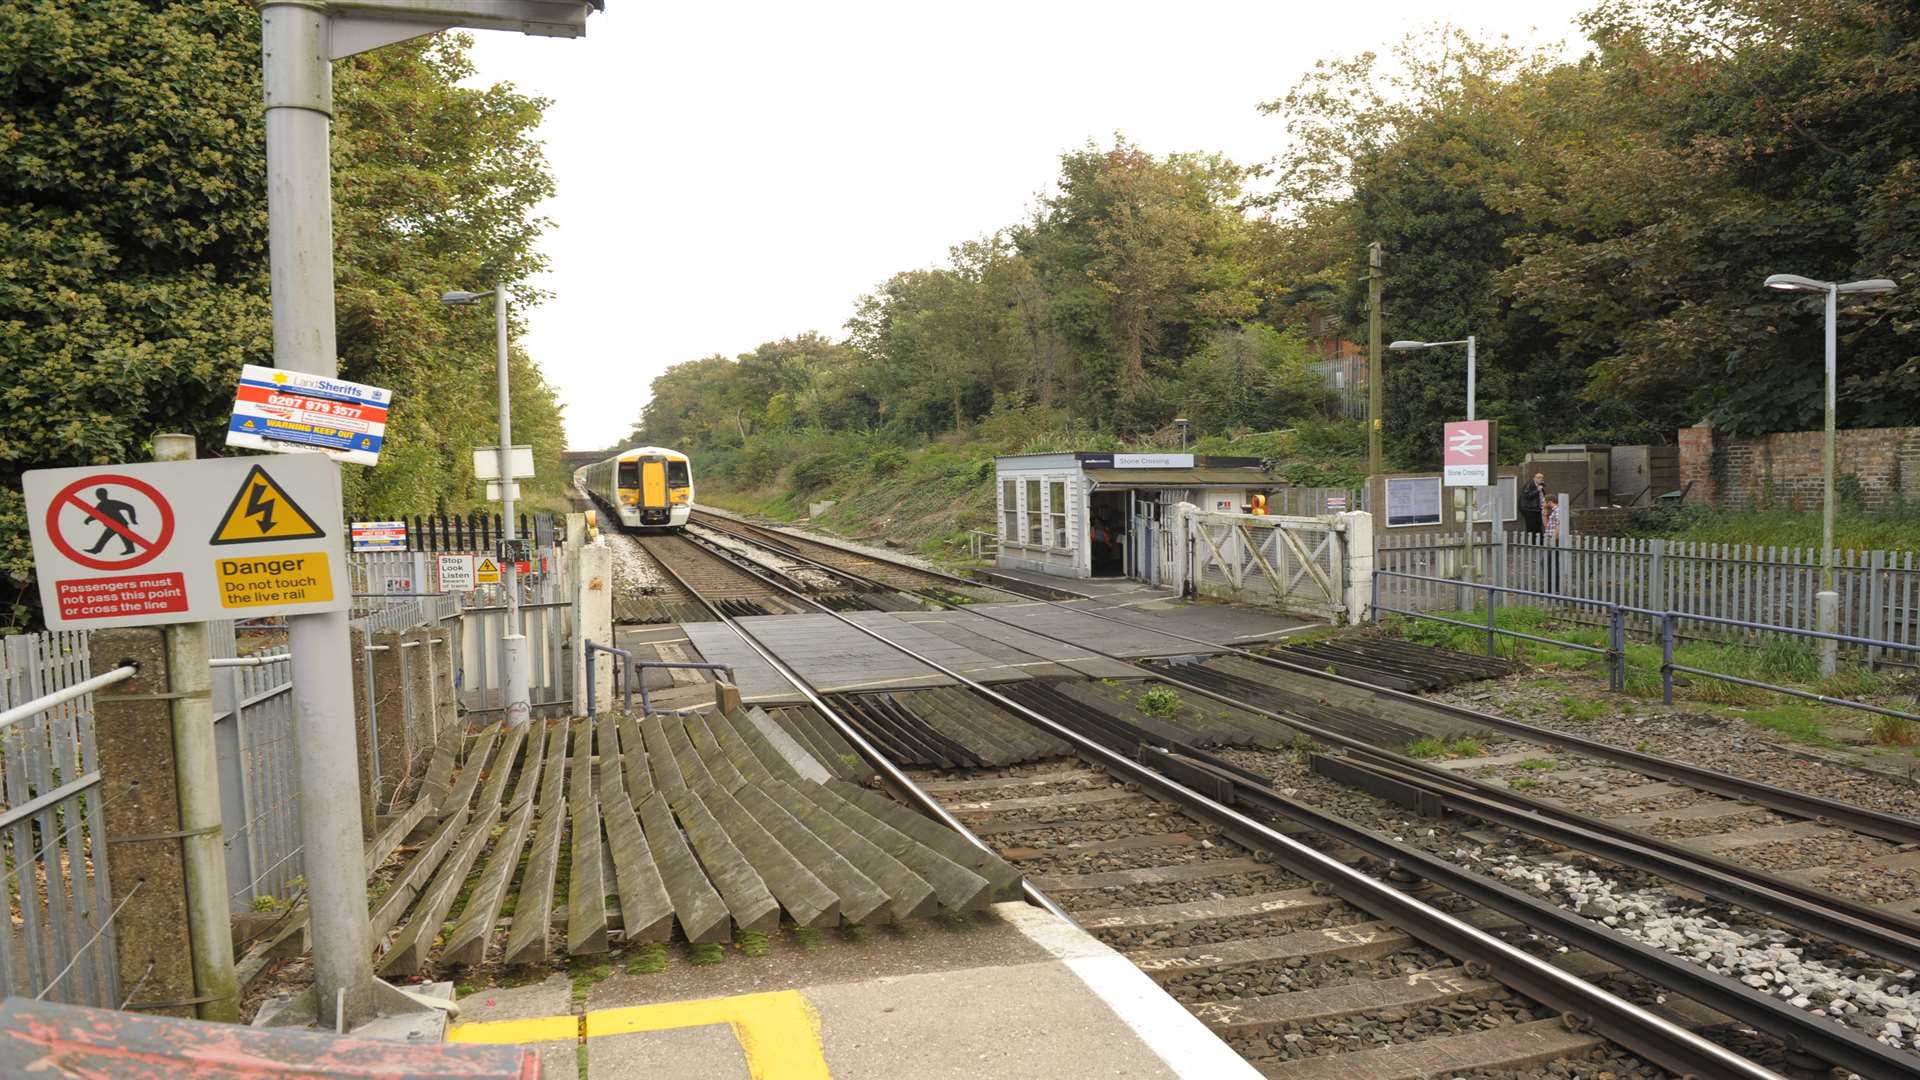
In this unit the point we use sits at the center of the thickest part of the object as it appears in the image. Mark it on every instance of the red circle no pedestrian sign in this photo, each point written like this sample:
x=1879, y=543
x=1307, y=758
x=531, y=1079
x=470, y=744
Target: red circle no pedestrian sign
x=110, y=522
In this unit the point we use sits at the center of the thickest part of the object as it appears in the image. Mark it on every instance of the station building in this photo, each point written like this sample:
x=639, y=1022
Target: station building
x=1086, y=515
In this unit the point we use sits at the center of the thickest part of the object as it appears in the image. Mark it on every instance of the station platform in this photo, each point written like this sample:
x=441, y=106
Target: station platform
x=1011, y=992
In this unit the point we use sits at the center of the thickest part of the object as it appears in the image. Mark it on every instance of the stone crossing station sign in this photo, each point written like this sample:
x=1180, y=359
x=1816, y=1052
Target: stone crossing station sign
x=187, y=541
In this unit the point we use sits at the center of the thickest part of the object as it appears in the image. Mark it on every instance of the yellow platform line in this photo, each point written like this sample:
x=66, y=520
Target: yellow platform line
x=778, y=1032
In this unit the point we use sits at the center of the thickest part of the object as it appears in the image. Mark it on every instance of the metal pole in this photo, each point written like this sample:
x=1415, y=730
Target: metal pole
x=298, y=77
x=196, y=770
x=1827, y=604
x=1473, y=501
x=1376, y=372
x=513, y=642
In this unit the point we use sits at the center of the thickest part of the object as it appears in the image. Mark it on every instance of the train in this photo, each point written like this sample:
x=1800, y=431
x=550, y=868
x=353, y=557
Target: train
x=645, y=487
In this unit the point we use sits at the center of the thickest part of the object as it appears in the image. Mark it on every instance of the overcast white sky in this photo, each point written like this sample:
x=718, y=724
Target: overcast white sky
x=732, y=173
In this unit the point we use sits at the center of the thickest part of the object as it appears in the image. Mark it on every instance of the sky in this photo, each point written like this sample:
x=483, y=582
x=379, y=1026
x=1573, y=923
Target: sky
x=734, y=173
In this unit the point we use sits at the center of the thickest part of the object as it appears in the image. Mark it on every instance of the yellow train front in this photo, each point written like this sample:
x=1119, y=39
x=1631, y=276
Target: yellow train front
x=646, y=487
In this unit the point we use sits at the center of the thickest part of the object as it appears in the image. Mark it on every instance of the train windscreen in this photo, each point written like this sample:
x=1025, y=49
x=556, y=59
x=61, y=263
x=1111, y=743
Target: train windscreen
x=629, y=474
x=676, y=474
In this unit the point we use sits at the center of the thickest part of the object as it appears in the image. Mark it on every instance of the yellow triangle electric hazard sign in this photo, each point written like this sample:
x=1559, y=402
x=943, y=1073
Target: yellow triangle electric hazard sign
x=261, y=512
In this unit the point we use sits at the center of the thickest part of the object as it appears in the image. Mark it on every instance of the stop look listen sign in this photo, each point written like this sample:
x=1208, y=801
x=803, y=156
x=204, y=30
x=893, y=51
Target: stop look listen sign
x=187, y=541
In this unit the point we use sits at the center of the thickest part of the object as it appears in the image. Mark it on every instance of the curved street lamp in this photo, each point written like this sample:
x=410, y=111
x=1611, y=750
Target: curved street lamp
x=1827, y=602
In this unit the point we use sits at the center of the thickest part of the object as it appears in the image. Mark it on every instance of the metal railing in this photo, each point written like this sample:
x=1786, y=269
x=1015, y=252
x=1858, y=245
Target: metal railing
x=630, y=677
x=60, y=943
x=259, y=784
x=1617, y=625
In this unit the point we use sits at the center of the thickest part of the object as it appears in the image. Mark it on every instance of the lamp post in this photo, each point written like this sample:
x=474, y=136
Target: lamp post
x=1827, y=602
x=1182, y=423
x=519, y=673
x=1499, y=527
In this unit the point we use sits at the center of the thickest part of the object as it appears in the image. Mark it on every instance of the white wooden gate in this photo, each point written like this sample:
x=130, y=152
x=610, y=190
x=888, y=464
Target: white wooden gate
x=1296, y=563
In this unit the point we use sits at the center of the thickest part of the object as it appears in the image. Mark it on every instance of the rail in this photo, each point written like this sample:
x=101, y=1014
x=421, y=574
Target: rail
x=1618, y=1019
x=1616, y=648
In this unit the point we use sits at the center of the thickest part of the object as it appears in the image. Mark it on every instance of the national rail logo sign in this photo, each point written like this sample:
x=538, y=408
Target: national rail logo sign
x=184, y=541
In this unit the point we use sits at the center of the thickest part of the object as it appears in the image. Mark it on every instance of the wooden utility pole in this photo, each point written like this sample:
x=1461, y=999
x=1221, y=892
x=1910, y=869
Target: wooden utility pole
x=1375, y=376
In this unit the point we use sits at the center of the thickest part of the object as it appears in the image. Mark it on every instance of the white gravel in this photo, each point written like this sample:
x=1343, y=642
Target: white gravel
x=1880, y=1002
x=805, y=576
x=634, y=571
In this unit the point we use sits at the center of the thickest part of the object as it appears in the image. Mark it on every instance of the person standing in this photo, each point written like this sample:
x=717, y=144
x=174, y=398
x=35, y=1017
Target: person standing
x=1533, y=499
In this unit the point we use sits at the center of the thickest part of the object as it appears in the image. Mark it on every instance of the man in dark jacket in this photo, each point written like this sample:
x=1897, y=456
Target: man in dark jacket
x=1533, y=499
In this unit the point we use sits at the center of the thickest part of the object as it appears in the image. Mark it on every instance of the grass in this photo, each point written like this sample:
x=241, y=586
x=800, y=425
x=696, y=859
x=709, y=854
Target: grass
x=1523, y=783
x=752, y=943
x=583, y=974
x=1579, y=708
x=1892, y=528
x=1540, y=764
x=647, y=959
x=1433, y=748
x=1780, y=659
x=705, y=954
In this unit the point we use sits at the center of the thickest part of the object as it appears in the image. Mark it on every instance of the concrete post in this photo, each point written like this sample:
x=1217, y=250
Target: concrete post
x=197, y=778
x=133, y=730
x=1357, y=526
x=297, y=76
x=366, y=722
x=593, y=593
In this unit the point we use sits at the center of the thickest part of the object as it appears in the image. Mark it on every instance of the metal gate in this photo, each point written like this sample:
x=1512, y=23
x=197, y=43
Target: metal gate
x=1296, y=563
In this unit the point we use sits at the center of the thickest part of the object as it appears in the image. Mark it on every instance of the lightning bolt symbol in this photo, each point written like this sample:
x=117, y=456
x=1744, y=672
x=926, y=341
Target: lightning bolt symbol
x=258, y=503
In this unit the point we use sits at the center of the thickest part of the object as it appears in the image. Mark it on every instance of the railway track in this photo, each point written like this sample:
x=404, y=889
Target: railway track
x=1770, y=1002
x=858, y=567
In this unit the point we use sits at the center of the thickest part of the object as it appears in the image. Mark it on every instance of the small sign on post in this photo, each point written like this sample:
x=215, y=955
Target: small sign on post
x=186, y=541
x=486, y=462
x=294, y=412
x=1467, y=455
x=486, y=571
x=456, y=573
x=379, y=536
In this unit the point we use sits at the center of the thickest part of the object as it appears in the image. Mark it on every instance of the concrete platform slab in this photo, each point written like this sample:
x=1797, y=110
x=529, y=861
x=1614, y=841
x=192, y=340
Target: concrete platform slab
x=1008, y=993
x=1012, y=642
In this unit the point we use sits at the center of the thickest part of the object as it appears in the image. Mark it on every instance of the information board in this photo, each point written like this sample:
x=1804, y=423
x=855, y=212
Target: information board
x=1413, y=500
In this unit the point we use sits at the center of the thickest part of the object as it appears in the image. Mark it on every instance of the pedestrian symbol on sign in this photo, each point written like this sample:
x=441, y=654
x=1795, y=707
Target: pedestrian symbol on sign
x=89, y=517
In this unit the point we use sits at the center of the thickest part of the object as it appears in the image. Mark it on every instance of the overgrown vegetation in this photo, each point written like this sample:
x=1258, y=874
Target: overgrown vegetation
x=1160, y=702
x=1895, y=528
x=133, y=253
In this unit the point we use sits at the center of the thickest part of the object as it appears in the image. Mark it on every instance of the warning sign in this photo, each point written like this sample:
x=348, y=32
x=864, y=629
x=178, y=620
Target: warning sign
x=304, y=578
x=180, y=541
x=486, y=571
x=107, y=508
x=456, y=573
x=261, y=511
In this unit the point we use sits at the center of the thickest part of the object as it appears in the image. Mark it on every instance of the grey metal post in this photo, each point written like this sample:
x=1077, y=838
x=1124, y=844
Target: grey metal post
x=298, y=79
x=1878, y=617
x=518, y=672
x=197, y=780
x=1616, y=647
x=1827, y=603
x=1490, y=624
x=1666, y=657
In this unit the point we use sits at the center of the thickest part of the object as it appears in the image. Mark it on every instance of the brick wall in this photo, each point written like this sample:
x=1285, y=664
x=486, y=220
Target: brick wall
x=1601, y=520
x=1786, y=466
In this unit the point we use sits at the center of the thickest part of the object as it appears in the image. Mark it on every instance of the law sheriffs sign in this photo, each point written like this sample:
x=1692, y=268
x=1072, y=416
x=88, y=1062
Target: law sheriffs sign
x=185, y=541
x=292, y=411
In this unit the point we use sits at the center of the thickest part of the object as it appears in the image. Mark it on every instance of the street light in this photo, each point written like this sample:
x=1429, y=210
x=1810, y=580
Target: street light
x=1182, y=423
x=1827, y=602
x=518, y=702
x=1499, y=527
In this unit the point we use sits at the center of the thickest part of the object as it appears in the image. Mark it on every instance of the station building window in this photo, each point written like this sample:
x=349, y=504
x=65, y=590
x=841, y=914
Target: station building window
x=1057, y=511
x=1034, y=536
x=1010, y=511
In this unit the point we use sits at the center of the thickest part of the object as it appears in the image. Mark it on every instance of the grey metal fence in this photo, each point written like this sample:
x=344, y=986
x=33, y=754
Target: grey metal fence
x=59, y=942
x=1879, y=590
x=259, y=788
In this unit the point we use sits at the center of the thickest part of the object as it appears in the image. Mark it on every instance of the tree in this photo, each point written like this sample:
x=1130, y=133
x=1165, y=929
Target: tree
x=133, y=262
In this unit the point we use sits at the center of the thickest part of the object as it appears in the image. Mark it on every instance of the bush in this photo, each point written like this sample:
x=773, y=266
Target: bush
x=817, y=471
x=1158, y=701
x=886, y=462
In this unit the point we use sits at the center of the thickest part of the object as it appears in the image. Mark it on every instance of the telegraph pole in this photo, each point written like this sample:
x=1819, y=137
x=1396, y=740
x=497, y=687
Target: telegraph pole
x=1376, y=373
